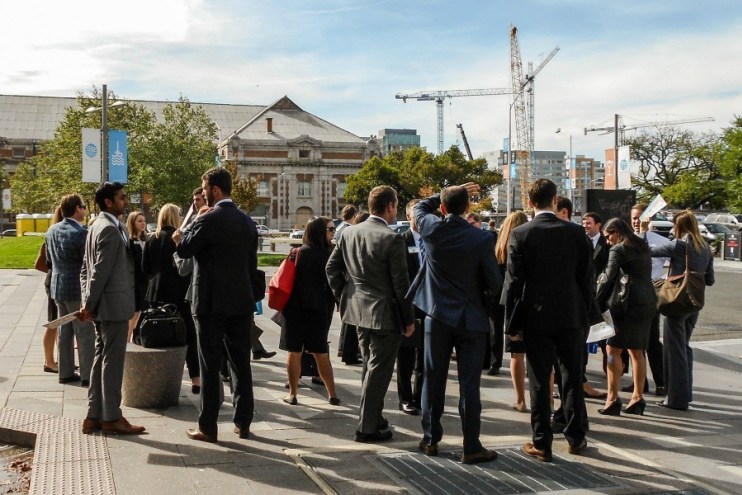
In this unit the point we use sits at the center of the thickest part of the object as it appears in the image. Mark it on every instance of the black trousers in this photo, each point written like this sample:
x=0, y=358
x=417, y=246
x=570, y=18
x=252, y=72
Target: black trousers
x=654, y=352
x=410, y=363
x=184, y=308
x=497, y=336
x=222, y=336
x=567, y=344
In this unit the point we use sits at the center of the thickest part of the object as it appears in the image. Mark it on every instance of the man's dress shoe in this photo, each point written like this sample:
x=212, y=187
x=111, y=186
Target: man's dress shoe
x=197, y=434
x=377, y=436
x=483, y=455
x=541, y=455
x=579, y=447
x=90, y=425
x=122, y=427
x=242, y=432
x=70, y=379
x=263, y=354
x=408, y=408
x=429, y=450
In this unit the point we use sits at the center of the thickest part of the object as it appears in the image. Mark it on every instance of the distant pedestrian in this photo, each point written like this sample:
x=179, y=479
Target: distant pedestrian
x=348, y=218
x=136, y=226
x=107, y=280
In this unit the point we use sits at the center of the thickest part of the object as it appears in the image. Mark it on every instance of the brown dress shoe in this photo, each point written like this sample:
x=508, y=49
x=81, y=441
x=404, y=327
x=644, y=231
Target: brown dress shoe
x=121, y=427
x=430, y=450
x=579, y=447
x=541, y=455
x=90, y=425
x=483, y=455
x=197, y=434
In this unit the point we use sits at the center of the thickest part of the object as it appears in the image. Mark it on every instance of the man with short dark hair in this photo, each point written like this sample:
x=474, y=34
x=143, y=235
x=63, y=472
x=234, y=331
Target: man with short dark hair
x=223, y=242
x=549, y=283
x=65, y=250
x=367, y=272
x=107, y=289
x=564, y=208
x=347, y=214
x=459, y=267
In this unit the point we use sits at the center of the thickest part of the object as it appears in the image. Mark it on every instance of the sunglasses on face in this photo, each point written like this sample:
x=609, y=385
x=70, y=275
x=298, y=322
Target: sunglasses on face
x=331, y=229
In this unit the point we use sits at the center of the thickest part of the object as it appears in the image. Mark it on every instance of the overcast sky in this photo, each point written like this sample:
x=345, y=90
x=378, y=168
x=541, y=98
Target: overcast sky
x=344, y=60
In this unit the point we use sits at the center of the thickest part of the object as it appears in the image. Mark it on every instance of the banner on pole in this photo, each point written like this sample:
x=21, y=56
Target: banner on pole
x=91, y=159
x=623, y=171
x=118, y=157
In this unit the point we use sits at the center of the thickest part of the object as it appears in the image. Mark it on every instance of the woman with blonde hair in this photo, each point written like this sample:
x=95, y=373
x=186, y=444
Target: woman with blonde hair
x=166, y=286
x=517, y=348
x=677, y=330
x=136, y=225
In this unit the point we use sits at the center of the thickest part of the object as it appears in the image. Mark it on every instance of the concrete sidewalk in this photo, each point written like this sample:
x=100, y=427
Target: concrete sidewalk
x=309, y=448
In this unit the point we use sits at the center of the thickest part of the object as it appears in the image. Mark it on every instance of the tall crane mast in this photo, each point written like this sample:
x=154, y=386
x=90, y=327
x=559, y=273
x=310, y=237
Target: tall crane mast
x=524, y=133
x=466, y=142
x=439, y=96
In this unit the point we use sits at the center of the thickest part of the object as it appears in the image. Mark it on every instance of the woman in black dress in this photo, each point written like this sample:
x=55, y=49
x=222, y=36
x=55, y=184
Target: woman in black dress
x=308, y=312
x=166, y=286
x=629, y=254
x=136, y=225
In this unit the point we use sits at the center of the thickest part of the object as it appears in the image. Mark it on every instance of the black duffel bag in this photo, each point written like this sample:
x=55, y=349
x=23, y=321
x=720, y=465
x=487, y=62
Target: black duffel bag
x=161, y=326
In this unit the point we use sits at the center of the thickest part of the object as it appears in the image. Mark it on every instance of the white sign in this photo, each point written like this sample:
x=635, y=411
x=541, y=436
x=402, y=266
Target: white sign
x=623, y=168
x=656, y=205
x=91, y=155
x=6, y=199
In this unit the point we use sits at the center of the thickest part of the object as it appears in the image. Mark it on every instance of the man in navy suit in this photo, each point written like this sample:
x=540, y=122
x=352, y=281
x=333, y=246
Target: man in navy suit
x=459, y=266
x=224, y=242
x=549, y=282
x=65, y=248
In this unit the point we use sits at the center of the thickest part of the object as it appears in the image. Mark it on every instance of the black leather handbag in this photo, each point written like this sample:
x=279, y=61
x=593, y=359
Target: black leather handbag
x=161, y=326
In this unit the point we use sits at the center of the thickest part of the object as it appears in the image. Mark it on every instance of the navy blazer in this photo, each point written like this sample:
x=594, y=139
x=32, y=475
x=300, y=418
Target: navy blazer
x=553, y=259
x=65, y=249
x=459, y=266
x=224, y=243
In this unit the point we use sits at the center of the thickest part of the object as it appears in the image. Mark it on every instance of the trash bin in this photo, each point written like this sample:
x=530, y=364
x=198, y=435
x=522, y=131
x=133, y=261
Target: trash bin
x=23, y=223
x=731, y=247
x=41, y=222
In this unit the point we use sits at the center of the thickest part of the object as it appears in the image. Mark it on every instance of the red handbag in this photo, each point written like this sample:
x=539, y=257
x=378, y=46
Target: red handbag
x=282, y=282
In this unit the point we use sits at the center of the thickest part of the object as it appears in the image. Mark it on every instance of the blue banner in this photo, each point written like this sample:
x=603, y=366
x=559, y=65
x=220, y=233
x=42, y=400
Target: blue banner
x=118, y=157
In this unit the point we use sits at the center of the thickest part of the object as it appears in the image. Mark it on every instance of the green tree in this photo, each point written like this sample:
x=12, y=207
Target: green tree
x=166, y=159
x=730, y=164
x=416, y=173
x=681, y=165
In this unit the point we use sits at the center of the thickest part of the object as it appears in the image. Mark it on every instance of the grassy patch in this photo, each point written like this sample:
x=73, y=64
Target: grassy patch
x=19, y=252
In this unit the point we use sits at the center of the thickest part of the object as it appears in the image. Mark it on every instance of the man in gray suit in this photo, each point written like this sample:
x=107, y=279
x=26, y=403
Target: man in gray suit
x=107, y=284
x=368, y=275
x=65, y=248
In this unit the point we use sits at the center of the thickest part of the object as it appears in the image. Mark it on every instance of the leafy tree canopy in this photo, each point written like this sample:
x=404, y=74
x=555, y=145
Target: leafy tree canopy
x=730, y=164
x=416, y=173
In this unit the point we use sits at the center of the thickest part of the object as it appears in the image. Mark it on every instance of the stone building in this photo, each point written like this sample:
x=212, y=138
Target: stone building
x=299, y=160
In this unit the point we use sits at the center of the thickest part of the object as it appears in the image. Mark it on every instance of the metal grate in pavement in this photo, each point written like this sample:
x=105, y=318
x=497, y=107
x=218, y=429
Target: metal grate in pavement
x=683, y=492
x=513, y=472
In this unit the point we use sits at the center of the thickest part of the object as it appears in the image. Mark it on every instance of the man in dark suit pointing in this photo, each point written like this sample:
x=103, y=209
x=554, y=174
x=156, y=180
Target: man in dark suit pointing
x=549, y=281
x=224, y=243
x=459, y=265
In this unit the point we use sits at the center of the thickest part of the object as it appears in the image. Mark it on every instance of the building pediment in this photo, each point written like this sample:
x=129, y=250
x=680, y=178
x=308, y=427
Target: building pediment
x=304, y=140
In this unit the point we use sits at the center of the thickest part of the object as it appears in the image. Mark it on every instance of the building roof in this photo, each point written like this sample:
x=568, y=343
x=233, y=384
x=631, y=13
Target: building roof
x=37, y=117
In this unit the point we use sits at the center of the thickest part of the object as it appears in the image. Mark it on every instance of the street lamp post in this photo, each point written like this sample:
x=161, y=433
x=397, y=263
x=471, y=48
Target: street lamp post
x=570, y=189
x=104, y=130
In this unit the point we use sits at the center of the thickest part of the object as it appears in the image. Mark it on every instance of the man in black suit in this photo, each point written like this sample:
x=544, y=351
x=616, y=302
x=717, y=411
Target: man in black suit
x=410, y=355
x=549, y=281
x=459, y=266
x=224, y=242
x=593, y=225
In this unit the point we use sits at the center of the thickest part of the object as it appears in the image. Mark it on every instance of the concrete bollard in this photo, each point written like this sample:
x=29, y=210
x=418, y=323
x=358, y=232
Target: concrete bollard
x=152, y=377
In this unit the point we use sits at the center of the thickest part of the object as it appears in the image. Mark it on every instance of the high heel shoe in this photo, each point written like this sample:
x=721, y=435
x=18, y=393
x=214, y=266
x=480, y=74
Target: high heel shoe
x=636, y=408
x=613, y=410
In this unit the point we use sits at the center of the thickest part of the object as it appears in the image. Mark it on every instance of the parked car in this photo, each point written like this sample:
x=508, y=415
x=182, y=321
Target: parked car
x=263, y=230
x=400, y=228
x=660, y=224
x=734, y=222
x=717, y=230
x=296, y=234
x=8, y=233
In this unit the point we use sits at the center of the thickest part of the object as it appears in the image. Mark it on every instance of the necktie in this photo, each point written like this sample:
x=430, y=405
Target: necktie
x=421, y=246
x=123, y=233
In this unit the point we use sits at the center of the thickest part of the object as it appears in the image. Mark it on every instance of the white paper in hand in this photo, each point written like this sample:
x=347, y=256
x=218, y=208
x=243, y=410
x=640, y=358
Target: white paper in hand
x=602, y=330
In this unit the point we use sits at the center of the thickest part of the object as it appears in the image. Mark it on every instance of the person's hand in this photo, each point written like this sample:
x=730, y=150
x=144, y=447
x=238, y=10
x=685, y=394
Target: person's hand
x=516, y=338
x=409, y=330
x=472, y=188
x=644, y=226
x=85, y=315
x=204, y=210
x=176, y=236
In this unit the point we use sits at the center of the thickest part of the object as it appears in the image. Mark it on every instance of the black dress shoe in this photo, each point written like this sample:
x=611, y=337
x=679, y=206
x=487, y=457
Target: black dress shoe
x=334, y=401
x=70, y=379
x=262, y=354
x=242, y=432
x=483, y=455
x=317, y=380
x=196, y=389
x=660, y=391
x=613, y=410
x=384, y=423
x=576, y=449
x=493, y=371
x=49, y=369
x=197, y=434
x=408, y=408
x=377, y=436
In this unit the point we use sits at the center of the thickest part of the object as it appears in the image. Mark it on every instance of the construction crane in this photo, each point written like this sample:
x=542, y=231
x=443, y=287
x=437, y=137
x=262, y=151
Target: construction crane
x=524, y=119
x=620, y=136
x=466, y=142
x=439, y=96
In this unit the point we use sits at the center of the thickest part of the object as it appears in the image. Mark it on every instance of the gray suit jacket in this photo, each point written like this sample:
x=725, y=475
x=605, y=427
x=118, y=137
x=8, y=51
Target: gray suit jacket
x=65, y=248
x=107, y=275
x=367, y=272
